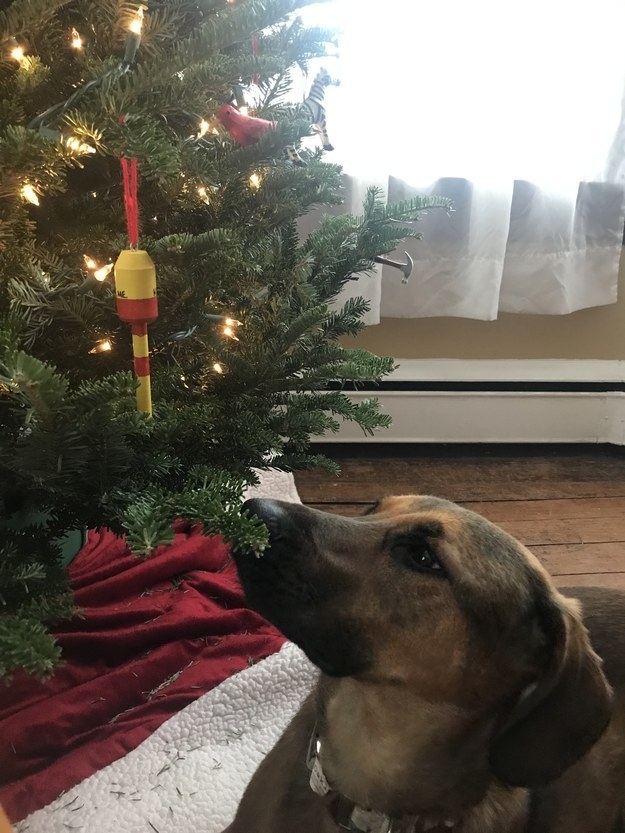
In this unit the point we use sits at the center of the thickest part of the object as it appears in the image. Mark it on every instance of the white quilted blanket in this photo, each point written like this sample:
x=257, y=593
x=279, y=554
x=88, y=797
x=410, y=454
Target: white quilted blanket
x=188, y=776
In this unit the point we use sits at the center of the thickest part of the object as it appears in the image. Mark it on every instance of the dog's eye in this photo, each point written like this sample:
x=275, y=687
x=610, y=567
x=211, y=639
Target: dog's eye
x=417, y=555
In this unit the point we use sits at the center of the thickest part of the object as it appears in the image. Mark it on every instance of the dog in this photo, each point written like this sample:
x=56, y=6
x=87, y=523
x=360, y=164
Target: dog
x=460, y=691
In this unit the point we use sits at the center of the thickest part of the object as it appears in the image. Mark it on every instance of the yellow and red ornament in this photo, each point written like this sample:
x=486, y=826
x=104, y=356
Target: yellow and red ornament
x=135, y=289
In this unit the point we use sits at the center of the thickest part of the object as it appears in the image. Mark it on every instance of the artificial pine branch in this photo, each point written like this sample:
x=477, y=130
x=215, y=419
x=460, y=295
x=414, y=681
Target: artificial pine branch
x=22, y=15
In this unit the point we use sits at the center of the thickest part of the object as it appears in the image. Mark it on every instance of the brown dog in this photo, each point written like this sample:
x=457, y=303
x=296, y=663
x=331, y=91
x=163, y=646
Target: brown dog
x=459, y=690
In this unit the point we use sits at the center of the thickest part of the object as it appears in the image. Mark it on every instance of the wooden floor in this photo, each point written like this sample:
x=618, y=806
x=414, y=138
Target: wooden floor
x=567, y=504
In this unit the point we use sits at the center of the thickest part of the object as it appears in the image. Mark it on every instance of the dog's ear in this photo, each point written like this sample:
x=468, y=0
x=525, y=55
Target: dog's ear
x=566, y=712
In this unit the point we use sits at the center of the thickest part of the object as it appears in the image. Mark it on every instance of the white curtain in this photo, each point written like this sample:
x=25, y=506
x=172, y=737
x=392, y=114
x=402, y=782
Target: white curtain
x=511, y=109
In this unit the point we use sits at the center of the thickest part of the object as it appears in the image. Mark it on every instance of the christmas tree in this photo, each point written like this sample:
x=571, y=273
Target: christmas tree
x=245, y=355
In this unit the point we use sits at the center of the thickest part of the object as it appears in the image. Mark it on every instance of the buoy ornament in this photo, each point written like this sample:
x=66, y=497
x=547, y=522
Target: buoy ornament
x=137, y=305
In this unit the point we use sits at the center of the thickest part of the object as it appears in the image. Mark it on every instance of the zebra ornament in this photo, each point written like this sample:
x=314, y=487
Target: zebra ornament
x=313, y=109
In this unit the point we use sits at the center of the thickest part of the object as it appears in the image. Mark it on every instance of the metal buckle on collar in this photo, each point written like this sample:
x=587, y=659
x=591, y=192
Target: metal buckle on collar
x=314, y=747
x=369, y=821
x=318, y=782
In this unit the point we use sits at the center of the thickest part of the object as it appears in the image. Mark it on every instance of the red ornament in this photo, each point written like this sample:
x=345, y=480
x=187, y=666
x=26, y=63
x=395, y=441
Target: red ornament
x=246, y=130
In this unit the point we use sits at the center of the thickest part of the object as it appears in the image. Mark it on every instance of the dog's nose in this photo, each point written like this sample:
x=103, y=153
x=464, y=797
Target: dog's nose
x=265, y=508
x=274, y=514
x=271, y=512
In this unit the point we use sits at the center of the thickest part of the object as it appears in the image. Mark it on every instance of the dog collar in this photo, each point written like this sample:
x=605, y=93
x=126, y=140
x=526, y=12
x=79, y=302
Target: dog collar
x=350, y=816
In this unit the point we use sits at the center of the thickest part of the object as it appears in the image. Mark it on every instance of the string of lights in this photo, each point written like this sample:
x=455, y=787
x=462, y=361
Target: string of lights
x=133, y=40
x=97, y=273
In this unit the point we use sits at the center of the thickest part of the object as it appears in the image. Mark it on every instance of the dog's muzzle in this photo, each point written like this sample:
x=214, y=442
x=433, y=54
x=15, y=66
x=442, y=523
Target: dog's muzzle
x=302, y=592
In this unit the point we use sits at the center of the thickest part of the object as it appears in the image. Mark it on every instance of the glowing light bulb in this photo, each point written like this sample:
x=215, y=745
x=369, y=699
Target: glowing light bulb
x=102, y=346
x=103, y=272
x=77, y=146
x=255, y=181
x=29, y=194
x=136, y=24
x=204, y=126
x=18, y=54
x=202, y=193
x=218, y=368
x=229, y=331
x=76, y=40
x=100, y=273
x=232, y=322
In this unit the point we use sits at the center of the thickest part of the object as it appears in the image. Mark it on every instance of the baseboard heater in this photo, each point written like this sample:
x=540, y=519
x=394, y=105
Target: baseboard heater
x=499, y=401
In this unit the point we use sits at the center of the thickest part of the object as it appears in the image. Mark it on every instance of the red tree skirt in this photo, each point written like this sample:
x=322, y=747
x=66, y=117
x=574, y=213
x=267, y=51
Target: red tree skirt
x=154, y=635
